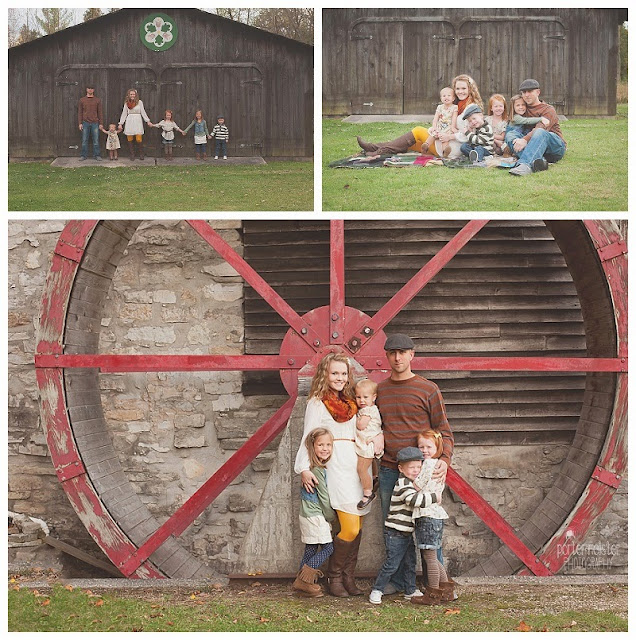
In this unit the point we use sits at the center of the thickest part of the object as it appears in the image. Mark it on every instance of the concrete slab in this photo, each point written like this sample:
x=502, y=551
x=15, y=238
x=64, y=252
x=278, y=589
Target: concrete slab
x=405, y=118
x=75, y=162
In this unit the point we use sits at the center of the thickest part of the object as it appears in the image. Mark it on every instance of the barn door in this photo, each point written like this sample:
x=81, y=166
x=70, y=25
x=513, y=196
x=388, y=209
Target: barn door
x=540, y=49
x=377, y=75
x=111, y=84
x=234, y=91
x=429, y=55
x=70, y=86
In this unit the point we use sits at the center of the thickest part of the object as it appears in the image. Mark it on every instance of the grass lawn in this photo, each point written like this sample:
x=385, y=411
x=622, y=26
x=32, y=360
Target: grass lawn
x=278, y=186
x=592, y=176
x=594, y=607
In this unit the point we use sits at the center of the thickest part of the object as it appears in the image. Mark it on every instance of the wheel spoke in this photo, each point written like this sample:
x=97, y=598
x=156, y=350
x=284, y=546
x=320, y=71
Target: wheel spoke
x=257, y=283
x=121, y=363
x=183, y=517
x=337, y=283
x=495, y=523
x=388, y=311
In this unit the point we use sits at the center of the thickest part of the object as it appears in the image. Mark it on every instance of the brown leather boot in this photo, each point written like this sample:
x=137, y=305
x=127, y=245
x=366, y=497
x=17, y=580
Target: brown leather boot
x=366, y=146
x=337, y=560
x=431, y=597
x=448, y=590
x=349, y=567
x=399, y=145
x=131, y=148
x=306, y=582
x=141, y=149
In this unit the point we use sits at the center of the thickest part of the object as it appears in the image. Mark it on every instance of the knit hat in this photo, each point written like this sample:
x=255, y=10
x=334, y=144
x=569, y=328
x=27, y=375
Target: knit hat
x=408, y=454
x=398, y=341
x=528, y=85
x=470, y=109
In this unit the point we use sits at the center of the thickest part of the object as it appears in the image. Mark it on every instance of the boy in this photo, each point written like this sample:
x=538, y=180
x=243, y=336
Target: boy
x=221, y=135
x=399, y=525
x=479, y=133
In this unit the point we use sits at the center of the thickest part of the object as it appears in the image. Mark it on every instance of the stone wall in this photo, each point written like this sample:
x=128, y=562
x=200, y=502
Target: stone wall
x=173, y=294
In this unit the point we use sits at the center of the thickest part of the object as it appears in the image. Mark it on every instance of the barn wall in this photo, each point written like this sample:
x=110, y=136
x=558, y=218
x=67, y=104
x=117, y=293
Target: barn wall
x=171, y=294
x=574, y=55
x=262, y=83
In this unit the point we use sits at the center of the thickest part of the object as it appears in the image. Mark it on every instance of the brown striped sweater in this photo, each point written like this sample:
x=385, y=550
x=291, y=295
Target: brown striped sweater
x=408, y=407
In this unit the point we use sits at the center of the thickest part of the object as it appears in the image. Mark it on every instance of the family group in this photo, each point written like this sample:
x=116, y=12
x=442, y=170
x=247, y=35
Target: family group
x=525, y=128
x=398, y=426
x=131, y=122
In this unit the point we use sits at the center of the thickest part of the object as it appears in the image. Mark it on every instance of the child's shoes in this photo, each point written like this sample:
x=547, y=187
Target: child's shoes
x=306, y=581
x=416, y=594
x=375, y=597
x=430, y=597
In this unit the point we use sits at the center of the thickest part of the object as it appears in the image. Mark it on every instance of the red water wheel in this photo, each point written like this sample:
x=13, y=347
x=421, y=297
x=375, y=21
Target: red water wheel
x=68, y=366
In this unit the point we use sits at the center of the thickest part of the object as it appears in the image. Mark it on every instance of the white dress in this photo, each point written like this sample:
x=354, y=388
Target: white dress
x=460, y=138
x=426, y=483
x=134, y=119
x=345, y=490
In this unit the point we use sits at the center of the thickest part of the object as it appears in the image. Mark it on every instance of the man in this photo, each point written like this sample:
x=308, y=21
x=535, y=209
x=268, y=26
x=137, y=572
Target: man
x=545, y=143
x=89, y=116
x=409, y=404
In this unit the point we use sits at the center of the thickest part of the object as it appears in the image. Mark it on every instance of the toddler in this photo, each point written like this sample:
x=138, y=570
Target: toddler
x=201, y=134
x=497, y=118
x=445, y=121
x=429, y=524
x=315, y=510
x=367, y=445
x=221, y=135
x=478, y=134
x=168, y=127
x=112, y=141
x=519, y=125
x=398, y=526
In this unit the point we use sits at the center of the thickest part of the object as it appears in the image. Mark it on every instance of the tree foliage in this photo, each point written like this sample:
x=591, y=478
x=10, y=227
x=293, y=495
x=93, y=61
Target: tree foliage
x=294, y=23
x=53, y=20
x=91, y=14
x=623, y=51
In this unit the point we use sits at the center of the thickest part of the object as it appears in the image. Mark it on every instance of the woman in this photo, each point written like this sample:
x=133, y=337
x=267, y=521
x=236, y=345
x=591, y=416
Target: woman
x=133, y=116
x=332, y=405
x=466, y=92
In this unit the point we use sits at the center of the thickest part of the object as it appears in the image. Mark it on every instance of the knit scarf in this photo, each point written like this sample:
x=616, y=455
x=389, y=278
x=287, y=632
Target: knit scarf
x=130, y=104
x=462, y=104
x=339, y=406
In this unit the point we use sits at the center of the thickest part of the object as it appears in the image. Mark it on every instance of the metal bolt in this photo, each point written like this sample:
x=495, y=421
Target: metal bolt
x=316, y=343
x=290, y=361
x=335, y=334
x=378, y=362
x=367, y=331
x=335, y=316
x=304, y=331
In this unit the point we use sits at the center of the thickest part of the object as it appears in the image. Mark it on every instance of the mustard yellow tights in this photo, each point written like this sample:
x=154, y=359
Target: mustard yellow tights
x=138, y=138
x=350, y=526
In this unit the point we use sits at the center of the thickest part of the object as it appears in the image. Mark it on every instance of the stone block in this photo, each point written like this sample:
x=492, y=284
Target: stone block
x=194, y=420
x=151, y=335
x=223, y=292
x=263, y=462
x=222, y=270
x=237, y=503
x=164, y=296
x=227, y=402
x=189, y=439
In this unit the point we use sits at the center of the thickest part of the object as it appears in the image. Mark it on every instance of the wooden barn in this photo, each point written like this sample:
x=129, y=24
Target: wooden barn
x=261, y=82
x=521, y=323
x=395, y=61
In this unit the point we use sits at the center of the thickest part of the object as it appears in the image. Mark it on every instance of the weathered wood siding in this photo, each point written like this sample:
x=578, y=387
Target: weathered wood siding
x=380, y=61
x=508, y=292
x=260, y=82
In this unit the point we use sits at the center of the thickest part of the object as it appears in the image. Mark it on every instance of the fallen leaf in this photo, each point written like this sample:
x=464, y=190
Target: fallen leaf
x=255, y=584
x=46, y=603
x=426, y=622
x=339, y=613
x=523, y=627
x=192, y=596
x=572, y=624
x=451, y=612
x=69, y=587
x=99, y=603
x=170, y=624
x=346, y=186
x=309, y=619
x=234, y=621
x=264, y=619
x=545, y=629
x=376, y=613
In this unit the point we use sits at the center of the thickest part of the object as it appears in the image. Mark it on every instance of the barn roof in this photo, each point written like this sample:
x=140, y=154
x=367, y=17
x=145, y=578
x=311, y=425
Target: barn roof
x=203, y=15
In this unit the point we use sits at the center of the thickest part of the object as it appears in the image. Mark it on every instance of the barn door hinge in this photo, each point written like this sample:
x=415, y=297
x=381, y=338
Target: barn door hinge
x=606, y=477
x=140, y=82
x=436, y=37
x=255, y=81
x=612, y=250
x=62, y=83
x=470, y=37
x=362, y=37
x=556, y=36
x=172, y=82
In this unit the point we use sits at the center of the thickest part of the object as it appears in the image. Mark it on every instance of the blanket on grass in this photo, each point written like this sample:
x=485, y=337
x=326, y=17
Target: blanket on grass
x=413, y=160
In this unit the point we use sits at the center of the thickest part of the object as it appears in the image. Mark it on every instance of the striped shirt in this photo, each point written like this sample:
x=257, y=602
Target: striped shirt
x=482, y=137
x=409, y=407
x=404, y=499
x=221, y=132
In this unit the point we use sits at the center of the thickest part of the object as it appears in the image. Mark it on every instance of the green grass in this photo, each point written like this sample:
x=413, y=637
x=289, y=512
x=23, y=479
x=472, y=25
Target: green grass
x=278, y=186
x=592, y=176
x=274, y=609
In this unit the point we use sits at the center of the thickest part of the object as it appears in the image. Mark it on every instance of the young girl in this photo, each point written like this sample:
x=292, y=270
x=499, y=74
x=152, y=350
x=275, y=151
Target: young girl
x=445, y=120
x=112, y=142
x=498, y=119
x=368, y=429
x=519, y=125
x=201, y=134
x=429, y=524
x=168, y=126
x=315, y=511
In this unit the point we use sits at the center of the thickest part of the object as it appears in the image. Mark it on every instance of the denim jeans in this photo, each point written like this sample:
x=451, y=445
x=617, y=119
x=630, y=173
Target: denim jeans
x=543, y=144
x=200, y=148
x=90, y=129
x=220, y=148
x=400, y=554
x=466, y=148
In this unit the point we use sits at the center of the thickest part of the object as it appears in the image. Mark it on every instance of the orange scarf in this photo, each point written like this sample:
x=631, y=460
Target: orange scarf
x=341, y=408
x=130, y=104
x=462, y=104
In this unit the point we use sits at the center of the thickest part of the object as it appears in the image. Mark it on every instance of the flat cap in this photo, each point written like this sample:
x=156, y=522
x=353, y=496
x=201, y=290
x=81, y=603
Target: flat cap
x=529, y=85
x=470, y=109
x=409, y=453
x=398, y=341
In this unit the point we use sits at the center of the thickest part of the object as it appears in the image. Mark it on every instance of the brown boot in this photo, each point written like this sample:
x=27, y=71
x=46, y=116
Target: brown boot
x=337, y=560
x=448, y=590
x=399, y=145
x=306, y=582
x=349, y=568
x=198, y=156
x=141, y=149
x=131, y=148
x=367, y=146
x=431, y=597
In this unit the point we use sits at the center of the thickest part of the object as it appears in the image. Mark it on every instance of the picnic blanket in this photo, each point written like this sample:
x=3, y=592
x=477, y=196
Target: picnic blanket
x=380, y=161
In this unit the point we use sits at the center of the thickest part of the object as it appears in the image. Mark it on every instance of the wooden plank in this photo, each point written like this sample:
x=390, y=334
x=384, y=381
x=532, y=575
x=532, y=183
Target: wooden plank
x=83, y=556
